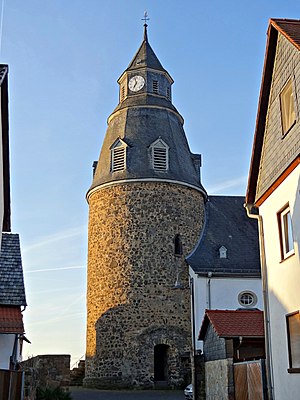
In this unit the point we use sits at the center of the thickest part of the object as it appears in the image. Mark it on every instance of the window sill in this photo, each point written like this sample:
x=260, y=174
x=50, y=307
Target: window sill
x=290, y=128
x=287, y=257
x=293, y=370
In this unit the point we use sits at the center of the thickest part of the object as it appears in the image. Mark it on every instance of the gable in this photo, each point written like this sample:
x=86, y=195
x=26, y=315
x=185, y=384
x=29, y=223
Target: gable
x=279, y=147
x=274, y=154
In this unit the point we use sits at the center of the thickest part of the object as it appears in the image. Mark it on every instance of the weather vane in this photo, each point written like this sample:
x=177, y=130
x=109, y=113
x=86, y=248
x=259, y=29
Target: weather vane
x=145, y=19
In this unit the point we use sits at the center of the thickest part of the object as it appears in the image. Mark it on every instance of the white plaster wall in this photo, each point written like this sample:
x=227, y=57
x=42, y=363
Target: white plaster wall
x=6, y=349
x=224, y=296
x=283, y=281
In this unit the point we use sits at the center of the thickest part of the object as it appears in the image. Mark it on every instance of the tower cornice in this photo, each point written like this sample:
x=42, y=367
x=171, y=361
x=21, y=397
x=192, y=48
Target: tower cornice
x=144, y=180
x=120, y=110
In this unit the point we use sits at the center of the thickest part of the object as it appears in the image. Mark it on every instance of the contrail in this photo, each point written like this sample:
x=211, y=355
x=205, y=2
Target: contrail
x=33, y=271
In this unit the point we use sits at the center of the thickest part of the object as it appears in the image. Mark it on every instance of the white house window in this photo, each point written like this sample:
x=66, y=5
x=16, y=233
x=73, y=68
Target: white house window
x=287, y=104
x=222, y=252
x=159, y=155
x=286, y=233
x=293, y=334
x=155, y=86
x=247, y=299
x=118, y=156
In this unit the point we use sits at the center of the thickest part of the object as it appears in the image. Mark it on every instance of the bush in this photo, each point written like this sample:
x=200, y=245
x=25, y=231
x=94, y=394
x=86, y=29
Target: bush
x=52, y=394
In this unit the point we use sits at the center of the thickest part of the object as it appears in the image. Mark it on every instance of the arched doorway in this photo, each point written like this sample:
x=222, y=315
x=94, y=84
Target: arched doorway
x=161, y=363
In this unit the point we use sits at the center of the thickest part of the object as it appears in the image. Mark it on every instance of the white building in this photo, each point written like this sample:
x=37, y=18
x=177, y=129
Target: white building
x=225, y=266
x=274, y=189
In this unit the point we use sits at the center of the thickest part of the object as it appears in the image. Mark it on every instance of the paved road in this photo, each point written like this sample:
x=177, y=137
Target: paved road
x=93, y=394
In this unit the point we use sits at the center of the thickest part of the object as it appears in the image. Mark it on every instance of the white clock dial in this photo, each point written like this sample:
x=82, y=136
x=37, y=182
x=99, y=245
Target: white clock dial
x=136, y=83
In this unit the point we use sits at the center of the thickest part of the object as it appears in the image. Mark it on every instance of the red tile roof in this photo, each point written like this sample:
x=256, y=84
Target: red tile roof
x=233, y=323
x=11, y=319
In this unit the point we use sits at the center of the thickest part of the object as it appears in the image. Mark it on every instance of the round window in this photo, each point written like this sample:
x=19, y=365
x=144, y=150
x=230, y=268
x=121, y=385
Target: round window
x=247, y=299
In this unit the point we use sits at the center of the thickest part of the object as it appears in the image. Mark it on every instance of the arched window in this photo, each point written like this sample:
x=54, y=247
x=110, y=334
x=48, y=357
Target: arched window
x=118, y=156
x=159, y=155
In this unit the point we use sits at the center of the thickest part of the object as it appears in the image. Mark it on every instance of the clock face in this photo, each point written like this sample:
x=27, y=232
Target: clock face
x=136, y=83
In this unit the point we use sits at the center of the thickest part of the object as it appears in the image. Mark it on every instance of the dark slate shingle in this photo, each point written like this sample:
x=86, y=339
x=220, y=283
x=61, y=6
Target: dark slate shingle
x=227, y=225
x=12, y=291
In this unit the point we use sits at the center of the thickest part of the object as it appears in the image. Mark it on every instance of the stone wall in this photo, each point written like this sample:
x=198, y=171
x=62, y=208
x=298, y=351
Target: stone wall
x=219, y=383
x=214, y=347
x=132, y=270
x=43, y=371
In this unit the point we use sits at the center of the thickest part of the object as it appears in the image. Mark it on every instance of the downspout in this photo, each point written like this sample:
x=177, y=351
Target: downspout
x=194, y=374
x=208, y=300
x=268, y=345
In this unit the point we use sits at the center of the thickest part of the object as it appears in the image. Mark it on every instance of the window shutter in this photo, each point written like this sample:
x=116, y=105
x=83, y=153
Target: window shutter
x=160, y=158
x=118, y=159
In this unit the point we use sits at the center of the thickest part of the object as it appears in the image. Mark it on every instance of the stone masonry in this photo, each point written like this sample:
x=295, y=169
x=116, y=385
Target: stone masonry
x=132, y=302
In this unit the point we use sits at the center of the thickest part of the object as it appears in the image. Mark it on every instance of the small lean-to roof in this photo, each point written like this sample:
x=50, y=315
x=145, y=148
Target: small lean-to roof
x=12, y=290
x=234, y=323
x=227, y=224
x=290, y=29
x=11, y=319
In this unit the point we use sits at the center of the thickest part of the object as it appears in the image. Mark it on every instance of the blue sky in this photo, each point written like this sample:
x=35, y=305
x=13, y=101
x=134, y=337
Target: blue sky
x=64, y=60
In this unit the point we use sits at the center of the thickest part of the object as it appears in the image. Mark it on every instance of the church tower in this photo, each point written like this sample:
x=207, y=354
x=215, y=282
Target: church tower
x=146, y=211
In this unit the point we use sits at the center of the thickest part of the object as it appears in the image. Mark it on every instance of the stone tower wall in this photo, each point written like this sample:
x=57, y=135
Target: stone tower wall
x=132, y=270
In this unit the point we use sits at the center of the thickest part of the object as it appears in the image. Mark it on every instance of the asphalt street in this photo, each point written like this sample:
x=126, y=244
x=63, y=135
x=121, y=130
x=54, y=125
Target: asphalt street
x=93, y=394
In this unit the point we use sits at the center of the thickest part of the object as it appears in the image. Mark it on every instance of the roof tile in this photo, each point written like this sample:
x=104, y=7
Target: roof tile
x=234, y=323
x=11, y=319
x=12, y=290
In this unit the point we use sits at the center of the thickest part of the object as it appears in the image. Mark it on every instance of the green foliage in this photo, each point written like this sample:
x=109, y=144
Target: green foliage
x=52, y=394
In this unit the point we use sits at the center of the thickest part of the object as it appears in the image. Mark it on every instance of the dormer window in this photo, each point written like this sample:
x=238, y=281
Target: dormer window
x=155, y=86
x=159, y=155
x=118, y=156
x=222, y=252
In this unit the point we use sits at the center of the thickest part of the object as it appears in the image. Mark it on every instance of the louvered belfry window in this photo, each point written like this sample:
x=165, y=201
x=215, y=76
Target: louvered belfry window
x=160, y=155
x=118, y=156
x=155, y=86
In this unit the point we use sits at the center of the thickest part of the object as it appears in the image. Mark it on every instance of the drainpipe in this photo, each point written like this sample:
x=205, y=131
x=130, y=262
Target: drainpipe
x=268, y=345
x=194, y=372
x=208, y=300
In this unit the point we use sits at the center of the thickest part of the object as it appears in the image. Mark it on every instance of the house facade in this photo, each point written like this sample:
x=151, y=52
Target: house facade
x=224, y=267
x=274, y=189
x=12, y=291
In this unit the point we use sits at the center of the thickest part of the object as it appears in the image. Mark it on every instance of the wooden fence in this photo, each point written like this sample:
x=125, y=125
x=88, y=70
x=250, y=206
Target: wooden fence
x=11, y=385
x=249, y=380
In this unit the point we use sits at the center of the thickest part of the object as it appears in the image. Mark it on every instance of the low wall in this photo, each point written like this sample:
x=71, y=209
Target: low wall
x=49, y=371
x=219, y=379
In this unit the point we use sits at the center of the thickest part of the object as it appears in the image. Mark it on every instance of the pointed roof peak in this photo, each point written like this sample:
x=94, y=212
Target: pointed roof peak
x=145, y=33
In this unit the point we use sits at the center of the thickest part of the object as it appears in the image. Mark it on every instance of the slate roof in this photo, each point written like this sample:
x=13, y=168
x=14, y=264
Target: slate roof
x=291, y=30
x=227, y=224
x=11, y=319
x=12, y=291
x=233, y=323
x=145, y=56
x=140, y=120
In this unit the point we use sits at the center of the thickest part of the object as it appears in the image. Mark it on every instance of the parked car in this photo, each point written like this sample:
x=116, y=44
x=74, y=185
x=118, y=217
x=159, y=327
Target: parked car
x=188, y=392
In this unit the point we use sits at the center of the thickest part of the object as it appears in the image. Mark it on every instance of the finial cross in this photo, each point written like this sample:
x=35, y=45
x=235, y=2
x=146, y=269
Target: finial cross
x=145, y=19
